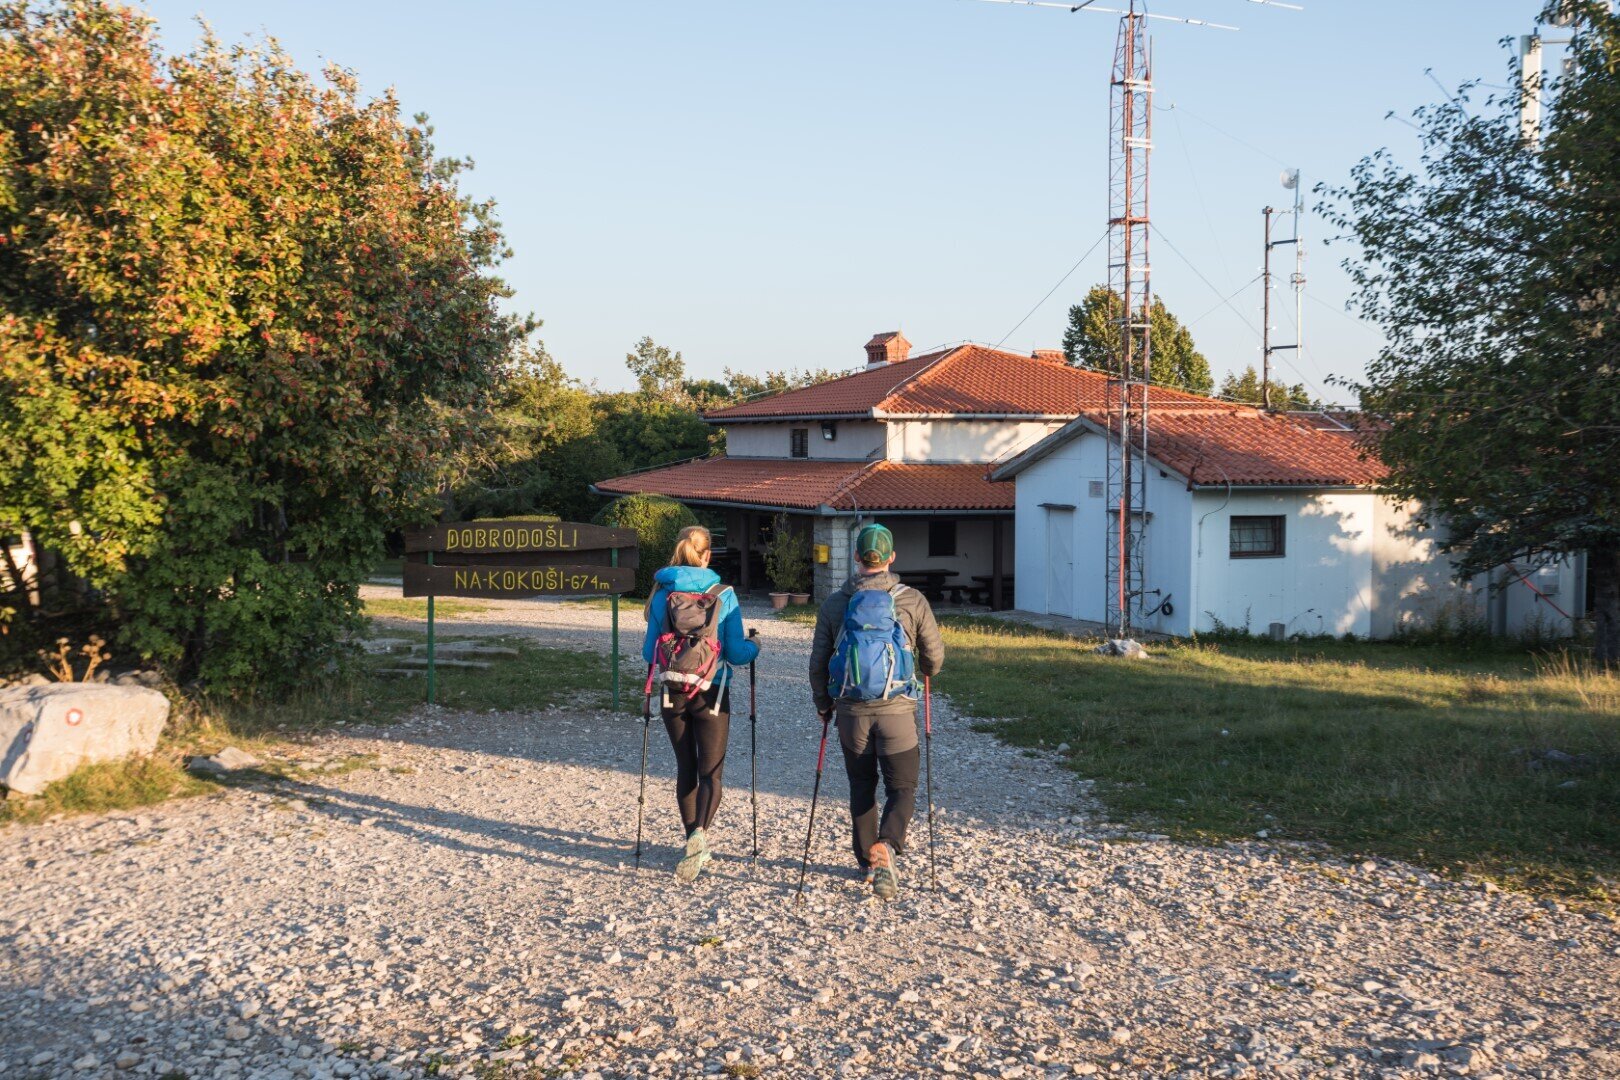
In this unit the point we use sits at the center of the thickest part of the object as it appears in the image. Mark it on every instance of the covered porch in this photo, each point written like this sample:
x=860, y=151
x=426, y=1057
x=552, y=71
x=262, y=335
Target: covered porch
x=953, y=529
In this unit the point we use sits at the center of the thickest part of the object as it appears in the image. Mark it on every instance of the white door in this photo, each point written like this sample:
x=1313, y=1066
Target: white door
x=1059, y=561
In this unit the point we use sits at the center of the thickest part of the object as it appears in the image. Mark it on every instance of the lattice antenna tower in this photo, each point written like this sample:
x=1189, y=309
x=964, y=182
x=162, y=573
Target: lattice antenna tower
x=1130, y=276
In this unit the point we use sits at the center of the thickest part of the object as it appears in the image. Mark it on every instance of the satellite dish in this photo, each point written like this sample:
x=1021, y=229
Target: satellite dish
x=1290, y=178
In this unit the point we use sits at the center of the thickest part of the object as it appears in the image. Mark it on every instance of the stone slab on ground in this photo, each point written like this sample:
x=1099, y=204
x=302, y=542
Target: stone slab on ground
x=225, y=762
x=46, y=732
x=380, y=646
x=466, y=649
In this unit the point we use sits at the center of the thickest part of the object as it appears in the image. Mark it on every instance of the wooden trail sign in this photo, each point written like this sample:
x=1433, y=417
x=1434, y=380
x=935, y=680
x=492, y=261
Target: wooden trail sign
x=502, y=537
x=517, y=582
x=515, y=560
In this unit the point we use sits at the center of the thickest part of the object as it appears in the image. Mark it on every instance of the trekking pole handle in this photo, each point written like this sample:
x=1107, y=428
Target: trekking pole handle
x=753, y=631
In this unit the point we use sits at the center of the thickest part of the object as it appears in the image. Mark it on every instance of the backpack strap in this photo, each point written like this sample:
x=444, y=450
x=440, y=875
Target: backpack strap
x=717, y=589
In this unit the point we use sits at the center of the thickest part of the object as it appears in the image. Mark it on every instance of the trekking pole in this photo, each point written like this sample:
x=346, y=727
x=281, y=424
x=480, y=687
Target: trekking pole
x=928, y=769
x=646, y=726
x=815, y=793
x=753, y=749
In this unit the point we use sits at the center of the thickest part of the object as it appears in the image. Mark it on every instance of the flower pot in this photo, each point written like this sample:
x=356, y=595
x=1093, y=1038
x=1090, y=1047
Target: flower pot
x=800, y=597
x=779, y=600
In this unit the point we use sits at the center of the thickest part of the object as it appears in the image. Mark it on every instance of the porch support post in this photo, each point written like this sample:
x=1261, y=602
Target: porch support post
x=997, y=601
x=744, y=545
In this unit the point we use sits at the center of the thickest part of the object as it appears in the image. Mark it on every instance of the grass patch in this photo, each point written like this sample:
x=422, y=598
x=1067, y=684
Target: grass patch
x=1434, y=754
x=269, y=728
x=536, y=678
x=121, y=785
x=803, y=614
x=628, y=605
x=443, y=608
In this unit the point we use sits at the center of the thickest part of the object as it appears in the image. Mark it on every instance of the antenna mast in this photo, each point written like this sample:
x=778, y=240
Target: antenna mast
x=1130, y=278
x=1290, y=180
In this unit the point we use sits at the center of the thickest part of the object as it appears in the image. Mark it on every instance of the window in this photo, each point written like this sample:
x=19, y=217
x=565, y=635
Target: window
x=1094, y=488
x=941, y=539
x=800, y=442
x=829, y=430
x=1257, y=537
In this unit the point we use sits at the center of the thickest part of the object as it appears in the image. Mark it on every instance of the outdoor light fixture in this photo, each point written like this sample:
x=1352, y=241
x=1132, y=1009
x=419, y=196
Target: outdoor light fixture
x=829, y=430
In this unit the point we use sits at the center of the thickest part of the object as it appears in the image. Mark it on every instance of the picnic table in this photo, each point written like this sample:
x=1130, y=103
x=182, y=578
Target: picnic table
x=986, y=584
x=931, y=583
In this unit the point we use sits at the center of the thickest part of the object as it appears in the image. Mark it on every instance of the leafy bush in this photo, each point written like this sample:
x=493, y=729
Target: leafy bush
x=657, y=521
x=787, y=557
x=246, y=318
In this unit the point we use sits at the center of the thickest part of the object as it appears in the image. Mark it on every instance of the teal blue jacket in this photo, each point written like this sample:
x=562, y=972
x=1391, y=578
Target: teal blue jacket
x=735, y=648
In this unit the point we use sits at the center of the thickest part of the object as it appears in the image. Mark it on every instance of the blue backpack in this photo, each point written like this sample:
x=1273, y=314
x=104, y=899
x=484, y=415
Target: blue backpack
x=871, y=660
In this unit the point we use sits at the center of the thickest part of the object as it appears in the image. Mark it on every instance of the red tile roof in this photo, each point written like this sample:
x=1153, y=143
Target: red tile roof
x=894, y=485
x=799, y=484
x=1233, y=444
x=808, y=485
x=964, y=379
x=1248, y=446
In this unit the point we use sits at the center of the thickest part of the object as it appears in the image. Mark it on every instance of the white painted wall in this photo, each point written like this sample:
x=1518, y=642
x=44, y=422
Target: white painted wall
x=1323, y=584
x=1066, y=478
x=1414, y=587
x=964, y=441
x=1353, y=562
x=857, y=440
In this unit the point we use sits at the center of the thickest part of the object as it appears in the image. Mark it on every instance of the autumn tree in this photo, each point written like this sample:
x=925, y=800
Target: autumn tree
x=1092, y=341
x=1491, y=269
x=246, y=316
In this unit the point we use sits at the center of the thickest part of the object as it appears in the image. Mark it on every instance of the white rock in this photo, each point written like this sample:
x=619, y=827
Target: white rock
x=228, y=760
x=46, y=732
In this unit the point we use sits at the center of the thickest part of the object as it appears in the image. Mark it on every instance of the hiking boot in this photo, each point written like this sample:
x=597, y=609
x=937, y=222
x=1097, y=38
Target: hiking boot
x=885, y=878
x=697, y=856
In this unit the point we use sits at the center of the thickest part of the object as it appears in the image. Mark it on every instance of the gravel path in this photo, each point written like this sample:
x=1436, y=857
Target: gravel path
x=467, y=907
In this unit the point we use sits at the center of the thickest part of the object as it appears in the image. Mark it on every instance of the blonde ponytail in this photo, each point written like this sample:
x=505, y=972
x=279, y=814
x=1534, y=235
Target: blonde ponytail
x=691, y=546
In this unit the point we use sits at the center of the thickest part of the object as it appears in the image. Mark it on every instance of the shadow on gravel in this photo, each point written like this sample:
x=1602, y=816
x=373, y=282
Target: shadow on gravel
x=535, y=844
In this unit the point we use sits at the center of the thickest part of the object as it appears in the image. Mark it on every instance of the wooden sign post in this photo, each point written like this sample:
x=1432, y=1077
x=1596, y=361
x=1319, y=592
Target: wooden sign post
x=513, y=560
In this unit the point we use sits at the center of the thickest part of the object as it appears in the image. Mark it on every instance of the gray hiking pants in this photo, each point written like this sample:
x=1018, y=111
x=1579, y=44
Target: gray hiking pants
x=880, y=740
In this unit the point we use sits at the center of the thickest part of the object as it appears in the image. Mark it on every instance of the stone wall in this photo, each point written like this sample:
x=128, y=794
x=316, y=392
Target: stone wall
x=836, y=533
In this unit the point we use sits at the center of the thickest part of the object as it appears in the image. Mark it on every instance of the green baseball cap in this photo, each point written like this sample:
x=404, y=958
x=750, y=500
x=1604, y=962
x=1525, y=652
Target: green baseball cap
x=874, y=540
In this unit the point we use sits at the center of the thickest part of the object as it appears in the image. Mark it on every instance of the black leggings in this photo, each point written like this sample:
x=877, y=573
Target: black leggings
x=698, y=730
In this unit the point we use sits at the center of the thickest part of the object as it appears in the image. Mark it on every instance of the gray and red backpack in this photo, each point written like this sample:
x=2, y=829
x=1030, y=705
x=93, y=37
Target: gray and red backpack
x=687, y=653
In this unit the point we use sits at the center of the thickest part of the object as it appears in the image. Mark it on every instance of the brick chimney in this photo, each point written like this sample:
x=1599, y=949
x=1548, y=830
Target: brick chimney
x=887, y=348
x=1051, y=356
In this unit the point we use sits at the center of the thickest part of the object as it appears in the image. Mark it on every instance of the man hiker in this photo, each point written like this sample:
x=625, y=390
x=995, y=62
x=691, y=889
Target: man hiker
x=875, y=641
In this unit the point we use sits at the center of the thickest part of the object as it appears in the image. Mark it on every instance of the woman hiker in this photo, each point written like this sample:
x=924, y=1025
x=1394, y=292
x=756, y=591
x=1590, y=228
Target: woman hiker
x=694, y=638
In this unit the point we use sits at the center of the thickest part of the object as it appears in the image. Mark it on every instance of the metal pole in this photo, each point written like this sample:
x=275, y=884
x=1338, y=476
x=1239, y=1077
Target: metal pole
x=432, y=681
x=614, y=560
x=646, y=726
x=1299, y=268
x=815, y=793
x=1265, y=322
x=928, y=772
x=753, y=750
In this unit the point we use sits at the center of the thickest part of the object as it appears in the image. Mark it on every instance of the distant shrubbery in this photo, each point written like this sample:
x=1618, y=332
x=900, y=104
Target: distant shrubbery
x=657, y=521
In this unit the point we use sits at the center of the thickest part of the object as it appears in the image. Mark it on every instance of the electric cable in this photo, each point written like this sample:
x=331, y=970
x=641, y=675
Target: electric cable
x=1054, y=288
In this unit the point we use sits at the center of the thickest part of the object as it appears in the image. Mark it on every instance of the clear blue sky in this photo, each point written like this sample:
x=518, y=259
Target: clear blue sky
x=765, y=183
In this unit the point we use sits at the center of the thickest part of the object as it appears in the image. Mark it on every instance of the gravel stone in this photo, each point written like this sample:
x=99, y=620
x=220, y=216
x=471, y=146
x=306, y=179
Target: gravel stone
x=491, y=922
